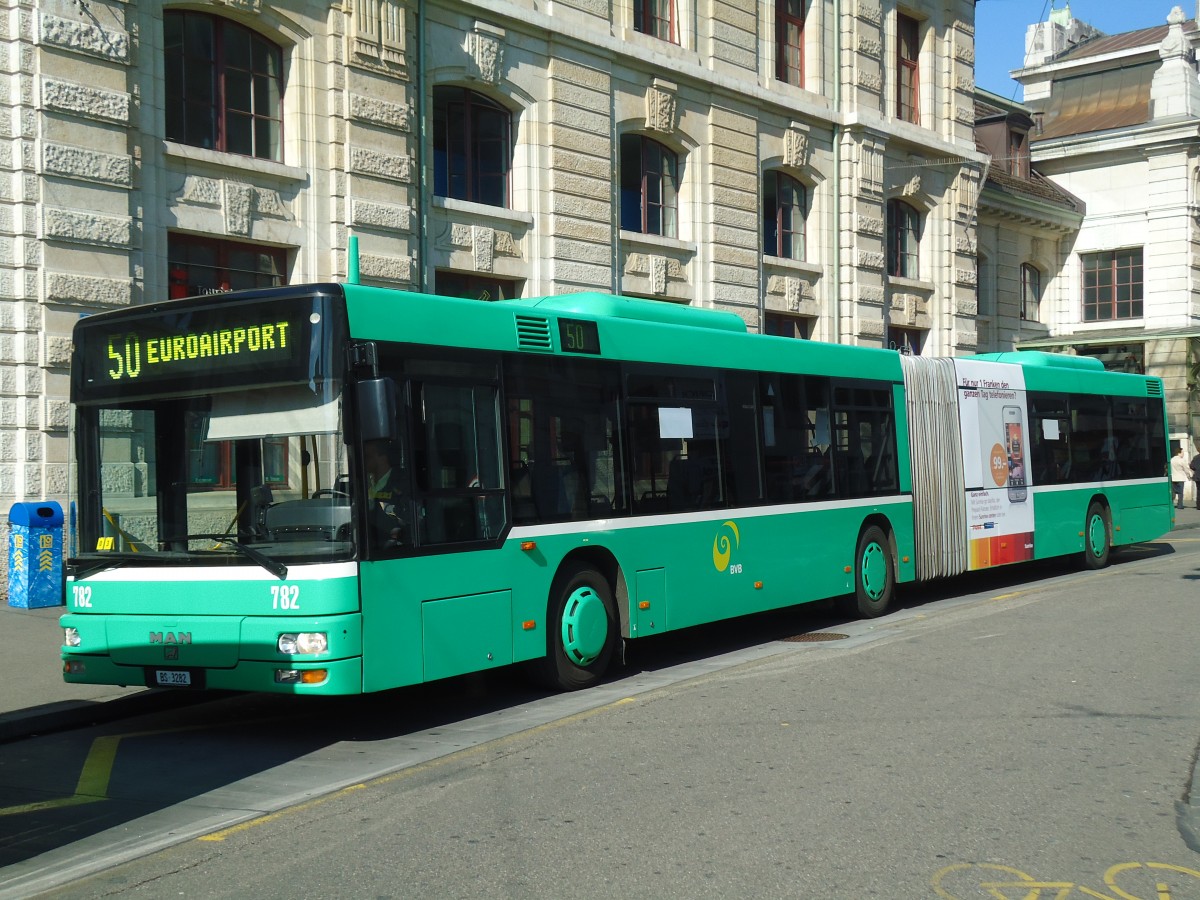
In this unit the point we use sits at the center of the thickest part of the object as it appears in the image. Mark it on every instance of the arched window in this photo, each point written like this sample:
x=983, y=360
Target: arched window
x=649, y=187
x=472, y=147
x=785, y=211
x=903, y=240
x=1031, y=292
x=224, y=85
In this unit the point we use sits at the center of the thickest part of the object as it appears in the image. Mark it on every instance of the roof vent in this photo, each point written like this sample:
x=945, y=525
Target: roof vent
x=1154, y=387
x=533, y=333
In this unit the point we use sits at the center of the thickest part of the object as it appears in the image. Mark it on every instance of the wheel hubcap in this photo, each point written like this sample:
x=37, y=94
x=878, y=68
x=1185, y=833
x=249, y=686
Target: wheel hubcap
x=1096, y=535
x=584, y=626
x=874, y=571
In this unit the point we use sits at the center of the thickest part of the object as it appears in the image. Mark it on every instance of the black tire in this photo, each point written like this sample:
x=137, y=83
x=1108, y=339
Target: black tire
x=1097, y=536
x=874, y=575
x=582, y=630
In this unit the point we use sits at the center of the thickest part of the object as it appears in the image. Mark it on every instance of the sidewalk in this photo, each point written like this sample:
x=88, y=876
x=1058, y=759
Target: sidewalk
x=34, y=699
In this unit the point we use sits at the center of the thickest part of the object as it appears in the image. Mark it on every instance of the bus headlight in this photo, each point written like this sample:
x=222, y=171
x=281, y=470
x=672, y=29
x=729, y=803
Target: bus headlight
x=303, y=643
x=71, y=637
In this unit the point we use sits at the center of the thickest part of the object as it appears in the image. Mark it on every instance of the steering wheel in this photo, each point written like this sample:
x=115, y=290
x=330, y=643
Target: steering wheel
x=327, y=492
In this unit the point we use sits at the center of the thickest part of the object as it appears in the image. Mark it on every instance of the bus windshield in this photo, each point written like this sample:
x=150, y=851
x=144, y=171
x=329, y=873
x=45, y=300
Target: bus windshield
x=223, y=451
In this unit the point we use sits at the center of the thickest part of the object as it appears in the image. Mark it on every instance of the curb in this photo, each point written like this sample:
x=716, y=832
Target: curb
x=68, y=714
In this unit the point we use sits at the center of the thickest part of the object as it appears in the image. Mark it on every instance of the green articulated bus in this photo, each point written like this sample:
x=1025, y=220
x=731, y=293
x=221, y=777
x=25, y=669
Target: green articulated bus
x=336, y=488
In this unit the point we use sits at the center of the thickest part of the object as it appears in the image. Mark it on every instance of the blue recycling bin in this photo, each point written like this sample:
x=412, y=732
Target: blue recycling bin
x=35, y=572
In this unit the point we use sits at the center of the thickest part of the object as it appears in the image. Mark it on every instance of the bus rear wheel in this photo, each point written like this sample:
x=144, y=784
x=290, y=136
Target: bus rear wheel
x=874, y=575
x=582, y=630
x=1097, y=541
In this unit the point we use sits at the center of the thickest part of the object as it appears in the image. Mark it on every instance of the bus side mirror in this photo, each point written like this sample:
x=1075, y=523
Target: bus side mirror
x=376, y=402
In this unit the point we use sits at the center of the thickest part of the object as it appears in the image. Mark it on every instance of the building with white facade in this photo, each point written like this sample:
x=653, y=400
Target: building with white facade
x=808, y=165
x=1027, y=226
x=1117, y=125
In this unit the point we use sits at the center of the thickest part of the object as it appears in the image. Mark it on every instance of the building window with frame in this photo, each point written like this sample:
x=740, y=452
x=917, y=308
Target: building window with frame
x=1031, y=292
x=475, y=287
x=798, y=327
x=789, y=41
x=472, y=147
x=198, y=265
x=785, y=212
x=908, y=81
x=655, y=18
x=1018, y=154
x=1112, y=285
x=905, y=340
x=224, y=86
x=649, y=187
x=903, y=240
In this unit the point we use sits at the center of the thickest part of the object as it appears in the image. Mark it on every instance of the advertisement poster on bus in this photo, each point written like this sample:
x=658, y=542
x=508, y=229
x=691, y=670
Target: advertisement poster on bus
x=994, y=419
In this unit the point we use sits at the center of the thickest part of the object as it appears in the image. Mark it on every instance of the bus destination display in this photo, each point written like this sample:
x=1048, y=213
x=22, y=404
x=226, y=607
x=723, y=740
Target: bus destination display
x=134, y=353
x=164, y=352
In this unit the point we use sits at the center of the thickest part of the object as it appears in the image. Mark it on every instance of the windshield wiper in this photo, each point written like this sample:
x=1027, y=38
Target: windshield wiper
x=79, y=567
x=274, y=566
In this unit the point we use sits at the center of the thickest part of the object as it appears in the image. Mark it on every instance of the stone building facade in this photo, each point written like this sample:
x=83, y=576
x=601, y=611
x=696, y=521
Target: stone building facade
x=1116, y=126
x=810, y=166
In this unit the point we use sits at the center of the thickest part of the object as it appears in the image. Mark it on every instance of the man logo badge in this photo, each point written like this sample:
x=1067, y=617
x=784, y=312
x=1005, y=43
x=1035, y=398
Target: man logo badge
x=170, y=637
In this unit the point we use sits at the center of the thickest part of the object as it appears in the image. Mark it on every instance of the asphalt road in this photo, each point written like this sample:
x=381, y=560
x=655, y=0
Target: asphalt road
x=1027, y=734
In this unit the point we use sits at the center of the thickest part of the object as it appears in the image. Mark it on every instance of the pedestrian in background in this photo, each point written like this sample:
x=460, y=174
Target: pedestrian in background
x=1181, y=474
x=1196, y=477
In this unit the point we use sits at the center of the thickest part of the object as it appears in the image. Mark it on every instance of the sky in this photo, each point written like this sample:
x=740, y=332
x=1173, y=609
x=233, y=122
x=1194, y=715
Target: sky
x=1000, y=30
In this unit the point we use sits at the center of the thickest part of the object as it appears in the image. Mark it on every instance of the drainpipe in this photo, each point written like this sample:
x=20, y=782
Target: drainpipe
x=835, y=334
x=422, y=173
x=614, y=205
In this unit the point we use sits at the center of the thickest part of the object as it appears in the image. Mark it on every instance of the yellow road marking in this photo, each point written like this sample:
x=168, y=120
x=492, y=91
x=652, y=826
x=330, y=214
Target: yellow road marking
x=92, y=786
x=970, y=876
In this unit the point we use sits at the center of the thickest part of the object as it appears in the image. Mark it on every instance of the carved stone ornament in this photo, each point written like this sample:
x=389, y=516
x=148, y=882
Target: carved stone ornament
x=486, y=48
x=483, y=242
x=1174, y=44
x=661, y=107
x=795, y=147
x=658, y=274
x=793, y=294
x=377, y=32
x=246, y=6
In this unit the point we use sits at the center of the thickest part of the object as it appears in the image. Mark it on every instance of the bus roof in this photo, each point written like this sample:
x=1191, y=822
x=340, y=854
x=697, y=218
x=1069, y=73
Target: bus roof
x=1041, y=358
x=597, y=304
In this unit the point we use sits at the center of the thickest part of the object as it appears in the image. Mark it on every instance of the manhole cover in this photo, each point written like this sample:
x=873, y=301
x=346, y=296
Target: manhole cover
x=814, y=636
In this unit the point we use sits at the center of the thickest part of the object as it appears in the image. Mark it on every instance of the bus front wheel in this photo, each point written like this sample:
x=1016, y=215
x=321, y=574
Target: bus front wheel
x=874, y=575
x=1097, y=541
x=582, y=626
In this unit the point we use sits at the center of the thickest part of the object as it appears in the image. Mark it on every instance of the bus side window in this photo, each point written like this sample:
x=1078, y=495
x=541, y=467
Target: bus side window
x=563, y=442
x=456, y=444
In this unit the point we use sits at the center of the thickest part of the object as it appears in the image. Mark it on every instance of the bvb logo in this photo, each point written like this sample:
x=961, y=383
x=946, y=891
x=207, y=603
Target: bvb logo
x=723, y=547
